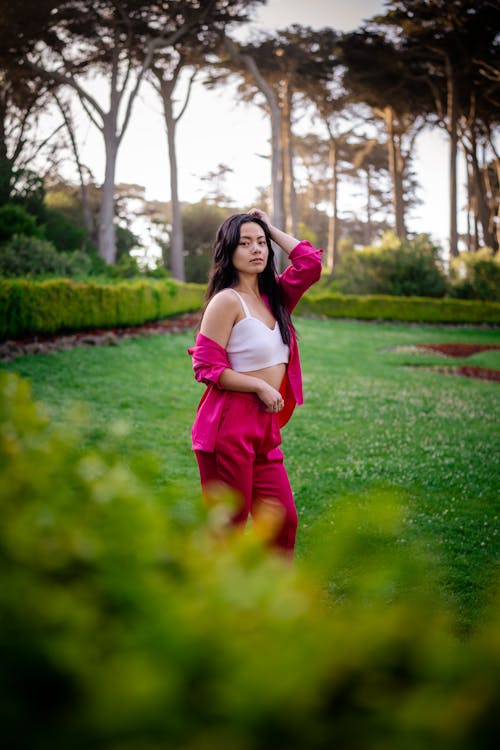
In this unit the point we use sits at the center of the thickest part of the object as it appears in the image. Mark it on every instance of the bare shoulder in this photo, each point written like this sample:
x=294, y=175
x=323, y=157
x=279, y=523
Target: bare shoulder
x=220, y=316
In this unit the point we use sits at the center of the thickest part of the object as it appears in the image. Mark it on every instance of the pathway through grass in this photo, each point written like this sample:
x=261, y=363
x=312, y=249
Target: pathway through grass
x=368, y=421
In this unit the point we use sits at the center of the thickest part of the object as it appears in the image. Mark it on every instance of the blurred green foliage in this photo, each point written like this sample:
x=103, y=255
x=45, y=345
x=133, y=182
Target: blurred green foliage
x=410, y=268
x=64, y=233
x=15, y=219
x=132, y=620
x=200, y=222
x=476, y=275
x=31, y=256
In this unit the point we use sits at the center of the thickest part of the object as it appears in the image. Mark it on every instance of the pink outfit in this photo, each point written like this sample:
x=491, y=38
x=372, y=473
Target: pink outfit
x=248, y=460
x=236, y=440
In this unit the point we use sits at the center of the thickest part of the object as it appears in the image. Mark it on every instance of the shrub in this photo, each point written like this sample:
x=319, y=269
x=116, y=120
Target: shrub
x=43, y=307
x=30, y=256
x=476, y=275
x=408, y=268
x=14, y=220
x=80, y=263
x=406, y=309
x=128, y=621
x=64, y=233
x=127, y=267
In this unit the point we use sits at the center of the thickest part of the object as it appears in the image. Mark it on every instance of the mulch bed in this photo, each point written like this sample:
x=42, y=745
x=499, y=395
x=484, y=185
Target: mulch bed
x=97, y=337
x=457, y=350
x=461, y=351
x=469, y=371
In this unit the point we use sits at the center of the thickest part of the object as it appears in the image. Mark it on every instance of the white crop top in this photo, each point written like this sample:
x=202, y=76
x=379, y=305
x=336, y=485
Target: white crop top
x=253, y=345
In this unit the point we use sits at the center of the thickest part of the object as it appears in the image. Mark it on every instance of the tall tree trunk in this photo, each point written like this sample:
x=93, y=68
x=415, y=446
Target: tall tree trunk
x=107, y=232
x=277, y=196
x=497, y=233
x=490, y=237
x=369, y=223
x=483, y=210
x=496, y=157
x=469, y=235
x=177, y=235
x=400, y=168
x=452, y=116
x=476, y=227
x=332, y=246
x=289, y=194
x=165, y=88
x=396, y=167
x=470, y=200
x=276, y=165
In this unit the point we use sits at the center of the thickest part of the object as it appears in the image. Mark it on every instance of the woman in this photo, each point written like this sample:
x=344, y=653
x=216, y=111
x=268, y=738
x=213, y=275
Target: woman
x=246, y=352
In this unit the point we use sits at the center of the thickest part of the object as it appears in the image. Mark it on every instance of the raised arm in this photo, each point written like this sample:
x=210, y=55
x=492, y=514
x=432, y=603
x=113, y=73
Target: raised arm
x=284, y=240
x=305, y=262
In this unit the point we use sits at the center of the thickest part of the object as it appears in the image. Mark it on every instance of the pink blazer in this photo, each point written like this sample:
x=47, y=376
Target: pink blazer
x=210, y=359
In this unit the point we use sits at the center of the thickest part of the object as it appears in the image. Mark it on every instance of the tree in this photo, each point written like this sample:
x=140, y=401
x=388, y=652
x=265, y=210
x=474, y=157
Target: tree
x=83, y=173
x=246, y=63
x=116, y=40
x=21, y=102
x=189, y=56
x=369, y=160
x=324, y=162
x=453, y=47
x=376, y=73
x=280, y=67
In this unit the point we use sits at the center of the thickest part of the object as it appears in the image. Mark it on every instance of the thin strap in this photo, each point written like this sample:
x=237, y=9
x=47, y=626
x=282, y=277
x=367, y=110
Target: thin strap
x=243, y=303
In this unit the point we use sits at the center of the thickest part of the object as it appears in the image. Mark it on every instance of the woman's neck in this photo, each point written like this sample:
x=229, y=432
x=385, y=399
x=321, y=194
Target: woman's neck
x=249, y=285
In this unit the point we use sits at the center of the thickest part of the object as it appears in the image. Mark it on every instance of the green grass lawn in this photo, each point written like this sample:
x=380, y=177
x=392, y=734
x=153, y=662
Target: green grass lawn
x=369, y=420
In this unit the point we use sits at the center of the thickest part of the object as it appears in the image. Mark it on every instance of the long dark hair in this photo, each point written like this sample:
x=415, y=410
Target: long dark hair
x=223, y=274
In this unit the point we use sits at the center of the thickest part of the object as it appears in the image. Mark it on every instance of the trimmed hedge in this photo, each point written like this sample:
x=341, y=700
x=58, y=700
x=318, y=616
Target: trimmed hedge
x=30, y=308
x=405, y=309
x=43, y=307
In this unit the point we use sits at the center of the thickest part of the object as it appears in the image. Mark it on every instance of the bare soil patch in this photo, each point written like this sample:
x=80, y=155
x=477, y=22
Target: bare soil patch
x=97, y=337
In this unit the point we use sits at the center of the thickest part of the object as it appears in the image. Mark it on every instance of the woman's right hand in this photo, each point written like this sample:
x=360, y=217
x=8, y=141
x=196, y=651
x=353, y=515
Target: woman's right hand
x=271, y=398
x=260, y=214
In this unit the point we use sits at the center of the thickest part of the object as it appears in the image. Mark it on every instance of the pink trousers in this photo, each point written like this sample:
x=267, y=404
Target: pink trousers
x=247, y=459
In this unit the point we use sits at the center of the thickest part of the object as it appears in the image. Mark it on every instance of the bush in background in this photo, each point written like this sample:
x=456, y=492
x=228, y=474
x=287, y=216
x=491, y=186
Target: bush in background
x=128, y=620
x=408, y=268
x=200, y=222
x=63, y=232
x=14, y=219
x=23, y=255
x=476, y=275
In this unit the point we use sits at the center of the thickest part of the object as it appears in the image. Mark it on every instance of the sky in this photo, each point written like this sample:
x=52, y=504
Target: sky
x=216, y=128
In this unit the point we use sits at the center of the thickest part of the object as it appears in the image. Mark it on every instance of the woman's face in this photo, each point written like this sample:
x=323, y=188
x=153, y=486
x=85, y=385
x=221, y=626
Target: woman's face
x=251, y=252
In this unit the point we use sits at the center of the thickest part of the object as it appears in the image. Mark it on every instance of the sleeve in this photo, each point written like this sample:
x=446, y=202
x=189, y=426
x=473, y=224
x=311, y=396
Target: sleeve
x=209, y=360
x=304, y=271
